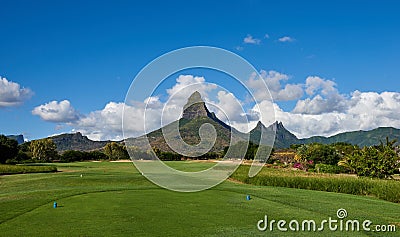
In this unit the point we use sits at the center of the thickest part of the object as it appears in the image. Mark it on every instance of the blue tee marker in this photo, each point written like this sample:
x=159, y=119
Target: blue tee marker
x=248, y=197
x=55, y=205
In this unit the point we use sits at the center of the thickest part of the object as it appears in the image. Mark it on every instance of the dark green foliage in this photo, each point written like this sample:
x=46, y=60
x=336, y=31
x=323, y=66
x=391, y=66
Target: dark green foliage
x=96, y=155
x=22, y=157
x=295, y=146
x=319, y=154
x=345, y=149
x=8, y=149
x=137, y=154
x=72, y=156
x=115, y=151
x=208, y=156
x=331, y=169
x=44, y=150
x=166, y=156
x=25, y=147
x=374, y=161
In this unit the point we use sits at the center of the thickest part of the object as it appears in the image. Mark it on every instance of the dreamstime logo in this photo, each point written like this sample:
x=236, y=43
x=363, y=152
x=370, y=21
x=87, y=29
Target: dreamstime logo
x=332, y=224
x=152, y=76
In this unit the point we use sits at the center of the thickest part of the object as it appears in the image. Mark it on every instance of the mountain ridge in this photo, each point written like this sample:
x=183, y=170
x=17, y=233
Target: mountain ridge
x=359, y=137
x=195, y=114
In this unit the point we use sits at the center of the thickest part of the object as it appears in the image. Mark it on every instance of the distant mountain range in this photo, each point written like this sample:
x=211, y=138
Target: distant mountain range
x=195, y=114
x=75, y=141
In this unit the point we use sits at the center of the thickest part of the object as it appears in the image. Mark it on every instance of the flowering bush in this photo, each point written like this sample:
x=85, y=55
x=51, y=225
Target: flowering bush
x=298, y=165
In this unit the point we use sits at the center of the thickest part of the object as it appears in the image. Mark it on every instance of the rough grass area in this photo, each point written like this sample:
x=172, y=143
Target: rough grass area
x=23, y=169
x=388, y=190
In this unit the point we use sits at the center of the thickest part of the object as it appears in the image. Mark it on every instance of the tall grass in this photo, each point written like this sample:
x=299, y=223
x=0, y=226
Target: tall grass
x=384, y=189
x=22, y=169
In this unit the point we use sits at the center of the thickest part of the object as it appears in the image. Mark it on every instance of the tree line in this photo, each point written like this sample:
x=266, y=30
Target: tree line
x=45, y=150
x=379, y=161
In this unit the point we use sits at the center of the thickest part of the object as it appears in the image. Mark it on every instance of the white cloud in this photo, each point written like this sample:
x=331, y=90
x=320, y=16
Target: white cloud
x=314, y=84
x=286, y=39
x=106, y=124
x=325, y=112
x=230, y=108
x=327, y=98
x=363, y=111
x=186, y=85
x=54, y=111
x=274, y=82
x=11, y=93
x=266, y=36
x=250, y=40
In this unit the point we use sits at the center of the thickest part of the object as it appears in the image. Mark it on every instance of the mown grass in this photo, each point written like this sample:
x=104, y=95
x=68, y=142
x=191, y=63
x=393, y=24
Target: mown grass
x=113, y=199
x=388, y=190
x=23, y=169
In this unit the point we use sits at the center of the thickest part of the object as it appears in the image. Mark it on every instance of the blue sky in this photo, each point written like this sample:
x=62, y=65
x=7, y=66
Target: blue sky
x=88, y=54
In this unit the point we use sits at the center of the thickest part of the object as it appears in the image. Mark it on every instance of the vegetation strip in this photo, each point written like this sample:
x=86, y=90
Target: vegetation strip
x=23, y=169
x=388, y=190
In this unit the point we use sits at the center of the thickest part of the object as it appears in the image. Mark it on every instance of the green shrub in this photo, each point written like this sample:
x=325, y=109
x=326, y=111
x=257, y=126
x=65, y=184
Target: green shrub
x=380, y=161
x=331, y=169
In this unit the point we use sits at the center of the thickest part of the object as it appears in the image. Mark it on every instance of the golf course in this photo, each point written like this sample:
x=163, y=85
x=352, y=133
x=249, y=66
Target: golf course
x=114, y=199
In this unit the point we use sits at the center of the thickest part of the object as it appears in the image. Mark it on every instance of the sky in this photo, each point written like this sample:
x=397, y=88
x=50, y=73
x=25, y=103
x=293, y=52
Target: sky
x=66, y=66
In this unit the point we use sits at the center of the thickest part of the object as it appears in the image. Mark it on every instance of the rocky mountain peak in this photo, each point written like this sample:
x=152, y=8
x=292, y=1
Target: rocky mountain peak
x=259, y=126
x=195, y=107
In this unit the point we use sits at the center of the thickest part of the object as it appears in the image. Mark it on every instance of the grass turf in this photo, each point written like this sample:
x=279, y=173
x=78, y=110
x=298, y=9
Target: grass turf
x=113, y=199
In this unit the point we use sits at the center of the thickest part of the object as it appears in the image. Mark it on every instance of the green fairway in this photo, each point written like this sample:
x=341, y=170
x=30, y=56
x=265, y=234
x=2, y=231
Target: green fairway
x=113, y=199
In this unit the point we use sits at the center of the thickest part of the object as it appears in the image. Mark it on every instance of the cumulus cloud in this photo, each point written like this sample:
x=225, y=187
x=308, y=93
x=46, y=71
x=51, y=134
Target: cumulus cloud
x=364, y=111
x=327, y=98
x=230, y=109
x=274, y=81
x=104, y=124
x=55, y=111
x=140, y=116
x=324, y=112
x=315, y=84
x=12, y=94
x=152, y=113
x=286, y=39
x=250, y=40
x=186, y=85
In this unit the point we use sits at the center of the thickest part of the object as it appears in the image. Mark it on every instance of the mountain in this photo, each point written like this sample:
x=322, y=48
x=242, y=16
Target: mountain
x=76, y=141
x=283, y=138
x=18, y=138
x=360, y=138
x=194, y=115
